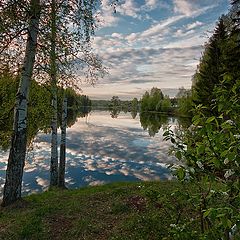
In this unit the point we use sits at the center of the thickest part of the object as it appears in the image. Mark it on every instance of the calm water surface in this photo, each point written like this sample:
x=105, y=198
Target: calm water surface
x=100, y=149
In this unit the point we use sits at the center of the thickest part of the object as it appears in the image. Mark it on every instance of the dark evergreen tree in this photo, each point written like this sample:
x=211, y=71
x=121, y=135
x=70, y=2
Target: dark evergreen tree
x=236, y=15
x=232, y=63
x=210, y=69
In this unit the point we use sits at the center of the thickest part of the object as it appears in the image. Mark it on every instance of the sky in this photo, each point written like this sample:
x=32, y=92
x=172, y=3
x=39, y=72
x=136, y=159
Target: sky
x=151, y=43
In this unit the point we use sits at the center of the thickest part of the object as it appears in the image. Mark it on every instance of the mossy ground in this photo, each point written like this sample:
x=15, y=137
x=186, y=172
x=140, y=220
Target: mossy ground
x=143, y=210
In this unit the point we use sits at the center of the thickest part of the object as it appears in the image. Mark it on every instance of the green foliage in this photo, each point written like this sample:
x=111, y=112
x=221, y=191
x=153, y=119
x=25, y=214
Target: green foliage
x=166, y=104
x=211, y=67
x=8, y=90
x=209, y=150
x=39, y=107
x=144, y=101
x=38, y=113
x=75, y=100
x=184, y=102
x=134, y=105
x=115, y=102
x=155, y=101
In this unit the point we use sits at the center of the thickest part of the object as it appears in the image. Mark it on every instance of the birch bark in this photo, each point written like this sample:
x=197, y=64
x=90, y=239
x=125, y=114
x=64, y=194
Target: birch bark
x=61, y=173
x=16, y=160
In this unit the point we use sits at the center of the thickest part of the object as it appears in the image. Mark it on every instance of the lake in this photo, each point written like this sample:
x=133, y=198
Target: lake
x=101, y=148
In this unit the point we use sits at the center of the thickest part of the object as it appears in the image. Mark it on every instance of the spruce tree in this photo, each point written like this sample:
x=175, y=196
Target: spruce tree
x=233, y=47
x=210, y=69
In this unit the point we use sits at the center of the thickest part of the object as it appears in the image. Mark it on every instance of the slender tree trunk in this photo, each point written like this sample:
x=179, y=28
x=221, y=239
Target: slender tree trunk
x=54, y=151
x=61, y=173
x=53, y=73
x=16, y=160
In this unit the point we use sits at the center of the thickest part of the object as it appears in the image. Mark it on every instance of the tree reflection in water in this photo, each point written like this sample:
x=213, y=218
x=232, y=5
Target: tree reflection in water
x=114, y=112
x=73, y=115
x=133, y=114
x=152, y=122
x=39, y=122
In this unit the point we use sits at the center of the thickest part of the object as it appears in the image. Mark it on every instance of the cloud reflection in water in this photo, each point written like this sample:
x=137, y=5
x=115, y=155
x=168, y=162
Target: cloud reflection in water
x=99, y=150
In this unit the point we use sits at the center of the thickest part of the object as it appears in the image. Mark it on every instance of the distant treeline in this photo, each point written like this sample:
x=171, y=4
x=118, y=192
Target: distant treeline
x=151, y=101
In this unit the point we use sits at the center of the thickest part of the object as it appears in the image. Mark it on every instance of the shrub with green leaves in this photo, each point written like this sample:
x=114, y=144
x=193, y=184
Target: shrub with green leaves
x=209, y=153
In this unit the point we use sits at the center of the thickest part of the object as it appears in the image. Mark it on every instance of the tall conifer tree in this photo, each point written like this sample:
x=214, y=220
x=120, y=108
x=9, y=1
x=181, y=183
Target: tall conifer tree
x=211, y=68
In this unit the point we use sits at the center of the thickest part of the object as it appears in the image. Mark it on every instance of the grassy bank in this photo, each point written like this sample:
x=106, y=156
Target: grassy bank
x=115, y=211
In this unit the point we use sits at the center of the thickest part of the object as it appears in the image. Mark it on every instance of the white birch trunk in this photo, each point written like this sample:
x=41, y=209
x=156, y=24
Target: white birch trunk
x=54, y=151
x=16, y=160
x=61, y=173
x=53, y=73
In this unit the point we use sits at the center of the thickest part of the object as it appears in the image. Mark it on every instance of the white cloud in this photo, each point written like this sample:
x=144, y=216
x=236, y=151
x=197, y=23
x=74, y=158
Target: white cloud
x=132, y=37
x=129, y=8
x=161, y=28
x=194, y=25
x=151, y=4
x=133, y=71
x=192, y=40
x=117, y=35
x=181, y=33
x=158, y=28
x=106, y=16
x=184, y=7
x=192, y=8
x=42, y=182
x=154, y=4
x=202, y=10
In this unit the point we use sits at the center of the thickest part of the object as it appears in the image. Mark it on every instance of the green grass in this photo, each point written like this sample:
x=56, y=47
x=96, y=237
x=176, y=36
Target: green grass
x=115, y=211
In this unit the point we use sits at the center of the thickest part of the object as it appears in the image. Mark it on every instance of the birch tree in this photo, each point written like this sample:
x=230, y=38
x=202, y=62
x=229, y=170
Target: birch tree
x=71, y=25
x=62, y=161
x=67, y=36
x=13, y=183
